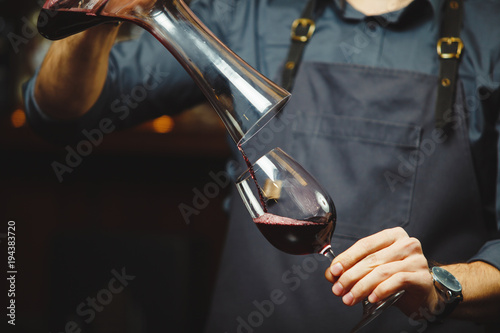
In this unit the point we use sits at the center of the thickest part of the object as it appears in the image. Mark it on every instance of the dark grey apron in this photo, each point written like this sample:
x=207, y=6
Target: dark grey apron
x=368, y=135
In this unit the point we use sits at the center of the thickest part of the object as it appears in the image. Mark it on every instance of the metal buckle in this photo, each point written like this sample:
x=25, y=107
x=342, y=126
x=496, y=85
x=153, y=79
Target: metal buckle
x=303, y=22
x=449, y=41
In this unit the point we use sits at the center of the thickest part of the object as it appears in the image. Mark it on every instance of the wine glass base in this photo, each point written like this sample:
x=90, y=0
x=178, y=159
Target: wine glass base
x=373, y=310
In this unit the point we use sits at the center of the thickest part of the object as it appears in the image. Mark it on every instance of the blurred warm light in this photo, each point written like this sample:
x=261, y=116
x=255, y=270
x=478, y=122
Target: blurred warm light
x=163, y=124
x=18, y=118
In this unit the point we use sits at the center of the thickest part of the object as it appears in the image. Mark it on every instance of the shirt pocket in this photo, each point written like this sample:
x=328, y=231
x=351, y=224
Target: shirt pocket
x=368, y=166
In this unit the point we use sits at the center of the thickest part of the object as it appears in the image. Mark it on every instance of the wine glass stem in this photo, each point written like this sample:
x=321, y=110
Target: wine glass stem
x=328, y=252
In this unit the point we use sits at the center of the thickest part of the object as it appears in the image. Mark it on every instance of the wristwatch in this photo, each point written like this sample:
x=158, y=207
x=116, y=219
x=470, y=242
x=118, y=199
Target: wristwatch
x=449, y=290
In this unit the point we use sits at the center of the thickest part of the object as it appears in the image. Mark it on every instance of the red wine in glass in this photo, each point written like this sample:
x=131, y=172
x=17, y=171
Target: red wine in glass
x=296, y=237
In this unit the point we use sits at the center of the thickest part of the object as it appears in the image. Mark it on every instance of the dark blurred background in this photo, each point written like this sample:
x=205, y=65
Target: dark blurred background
x=106, y=249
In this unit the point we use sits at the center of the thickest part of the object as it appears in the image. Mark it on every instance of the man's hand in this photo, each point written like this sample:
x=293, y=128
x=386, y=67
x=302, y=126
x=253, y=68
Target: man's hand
x=380, y=265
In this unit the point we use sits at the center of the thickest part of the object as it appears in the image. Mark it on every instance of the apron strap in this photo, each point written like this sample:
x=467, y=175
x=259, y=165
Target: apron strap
x=302, y=30
x=449, y=49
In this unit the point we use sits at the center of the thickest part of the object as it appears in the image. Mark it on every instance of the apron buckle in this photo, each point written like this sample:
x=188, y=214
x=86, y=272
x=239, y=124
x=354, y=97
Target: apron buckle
x=449, y=41
x=302, y=23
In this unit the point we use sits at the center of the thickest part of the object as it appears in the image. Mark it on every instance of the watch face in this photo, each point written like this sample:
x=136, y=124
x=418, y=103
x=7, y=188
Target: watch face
x=446, y=279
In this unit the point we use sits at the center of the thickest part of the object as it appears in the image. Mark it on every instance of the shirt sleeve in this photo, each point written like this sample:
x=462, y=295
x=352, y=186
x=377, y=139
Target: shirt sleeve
x=143, y=81
x=489, y=253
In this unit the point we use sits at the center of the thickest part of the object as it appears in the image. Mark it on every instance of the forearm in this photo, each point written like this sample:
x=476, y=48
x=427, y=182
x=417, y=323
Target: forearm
x=481, y=290
x=74, y=71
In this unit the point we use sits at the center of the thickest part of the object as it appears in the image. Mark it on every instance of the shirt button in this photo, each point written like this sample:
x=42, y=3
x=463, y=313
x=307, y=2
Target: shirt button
x=372, y=26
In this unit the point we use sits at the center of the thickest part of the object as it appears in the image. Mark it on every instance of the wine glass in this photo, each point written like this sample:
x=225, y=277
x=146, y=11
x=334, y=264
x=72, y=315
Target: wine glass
x=294, y=213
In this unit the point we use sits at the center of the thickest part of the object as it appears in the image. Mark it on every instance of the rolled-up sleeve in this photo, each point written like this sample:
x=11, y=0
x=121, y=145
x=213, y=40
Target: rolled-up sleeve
x=489, y=253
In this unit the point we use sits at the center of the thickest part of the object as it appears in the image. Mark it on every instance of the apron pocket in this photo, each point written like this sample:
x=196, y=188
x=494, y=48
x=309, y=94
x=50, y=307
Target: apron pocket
x=368, y=167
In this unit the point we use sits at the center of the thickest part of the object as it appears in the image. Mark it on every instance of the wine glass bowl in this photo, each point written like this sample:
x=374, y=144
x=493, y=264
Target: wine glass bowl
x=290, y=208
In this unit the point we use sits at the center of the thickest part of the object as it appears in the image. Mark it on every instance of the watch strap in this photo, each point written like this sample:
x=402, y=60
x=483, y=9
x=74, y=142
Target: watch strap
x=448, y=308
